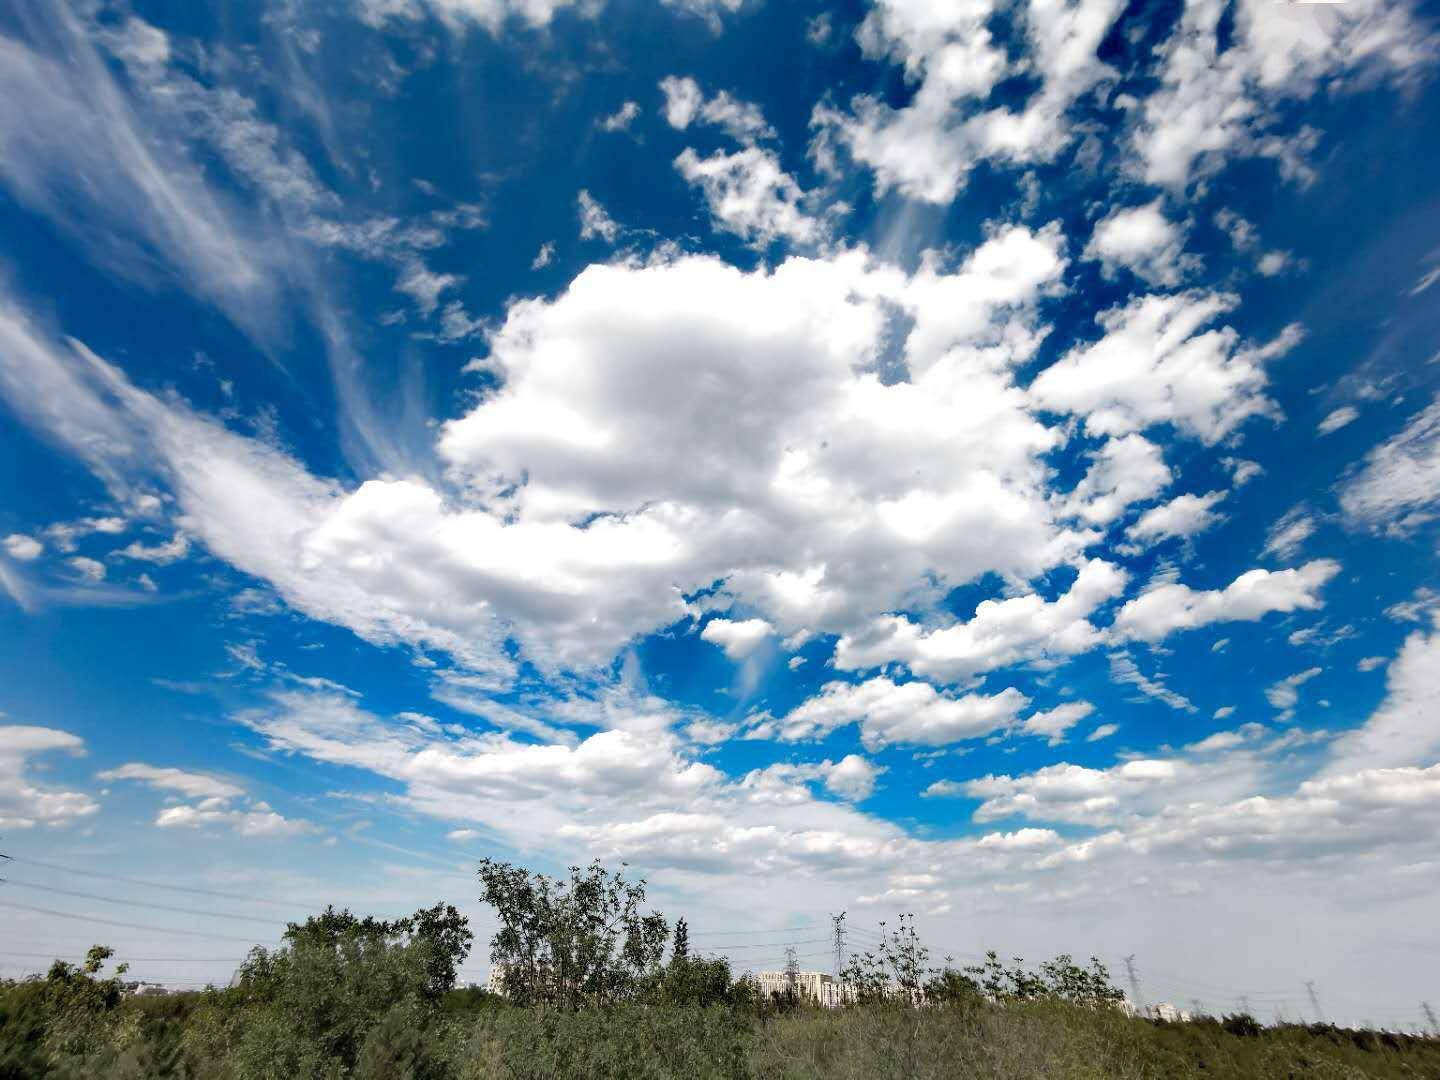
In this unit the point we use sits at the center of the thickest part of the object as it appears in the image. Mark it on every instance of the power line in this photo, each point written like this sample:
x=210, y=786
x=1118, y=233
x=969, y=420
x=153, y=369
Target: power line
x=195, y=890
x=131, y=903
x=761, y=945
x=123, y=925
x=134, y=959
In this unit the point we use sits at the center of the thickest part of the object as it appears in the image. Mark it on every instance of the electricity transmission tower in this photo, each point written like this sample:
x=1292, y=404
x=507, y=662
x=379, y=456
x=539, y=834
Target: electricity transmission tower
x=1198, y=1007
x=1245, y=1004
x=839, y=923
x=1315, y=1002
x=1135, y=986
x=1430, y=1015
x=792, y=968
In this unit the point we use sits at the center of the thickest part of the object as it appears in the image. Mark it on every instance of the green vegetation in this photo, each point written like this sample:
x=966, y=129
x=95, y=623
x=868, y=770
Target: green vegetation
x=591, y=993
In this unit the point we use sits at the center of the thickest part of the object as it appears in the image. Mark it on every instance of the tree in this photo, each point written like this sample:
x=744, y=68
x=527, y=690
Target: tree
x=681, y=949
x=572, y=941
x=338, y=973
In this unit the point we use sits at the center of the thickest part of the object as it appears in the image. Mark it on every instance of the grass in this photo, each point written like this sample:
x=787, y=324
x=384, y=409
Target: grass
x=224, y=1035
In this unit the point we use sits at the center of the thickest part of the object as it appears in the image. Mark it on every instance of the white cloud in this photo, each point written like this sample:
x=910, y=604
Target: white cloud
x=1157, y=364
x=78, y=150
x=686, y=103
x=683, y=99
x=258, y=820
x=1274, y=263
x=927, y=148
x=88, y=568
x=738, y=639
x=190, y=784
x=1214, y=103
x=595, y=222
x=601, y=481
x=913, y=712
x=177, y=547
x=1126, y=672
x=1164, y=609
x=1002, y=632
x=1334, y=421
x=1183, y=516
x=1370, y=663
x=543, y=257
x=1073, y=793
x=1054, y=723
x=1242, y=471
x=1289, y=533
x=750, y=195
x=621, y=118
x=1420, y=608
x=852, y=777
x=458, y=15
x=424, y=286
x=1285, y=694
x=22, y=547
x=462, y=836
x=1395, y=490
x=1104, y=731
x=25, y=804
x=1123, y=472
x=214, y=806
x=1402, y=731
x=1144, y=241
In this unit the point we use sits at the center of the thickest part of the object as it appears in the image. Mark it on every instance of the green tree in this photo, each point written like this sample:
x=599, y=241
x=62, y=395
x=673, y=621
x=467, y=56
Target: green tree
x=572, y=941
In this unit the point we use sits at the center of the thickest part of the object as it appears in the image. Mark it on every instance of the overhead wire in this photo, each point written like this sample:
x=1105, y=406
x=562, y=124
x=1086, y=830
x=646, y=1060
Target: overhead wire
x=76, y=894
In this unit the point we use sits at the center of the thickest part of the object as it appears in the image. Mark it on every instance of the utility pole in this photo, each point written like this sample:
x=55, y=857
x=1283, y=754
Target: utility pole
x=1430, y=1015
x=1135, y=985
x=839, y=922
x=1315, y=1002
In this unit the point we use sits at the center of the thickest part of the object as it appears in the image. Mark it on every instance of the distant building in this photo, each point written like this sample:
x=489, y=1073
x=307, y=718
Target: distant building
x=495, y=984
x=1169, y=1013
x=816, y=987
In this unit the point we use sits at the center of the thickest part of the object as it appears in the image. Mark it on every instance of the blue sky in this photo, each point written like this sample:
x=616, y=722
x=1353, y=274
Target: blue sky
x=979, y=460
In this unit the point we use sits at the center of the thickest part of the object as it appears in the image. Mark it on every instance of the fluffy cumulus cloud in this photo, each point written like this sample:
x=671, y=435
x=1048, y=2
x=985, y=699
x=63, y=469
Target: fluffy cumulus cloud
x=686, y=104
x=25, y=803
x=1002, y=632
x=750, y=195
x=1144, y=241
x=1218, y=100
x=1052, y=724
x=214, y=803
x=1183, y=516
x=889, y=712
x=927, y=147
x=1166, y=608
x=738, y=639
x=1157, y=363
x=22, y=547
x=1123, y=471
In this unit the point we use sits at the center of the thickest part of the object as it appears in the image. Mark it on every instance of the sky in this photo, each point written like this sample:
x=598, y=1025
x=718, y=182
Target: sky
x=975, y=459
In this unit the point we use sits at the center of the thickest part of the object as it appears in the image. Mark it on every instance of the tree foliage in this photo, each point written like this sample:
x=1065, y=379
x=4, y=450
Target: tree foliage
x=573, y=941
